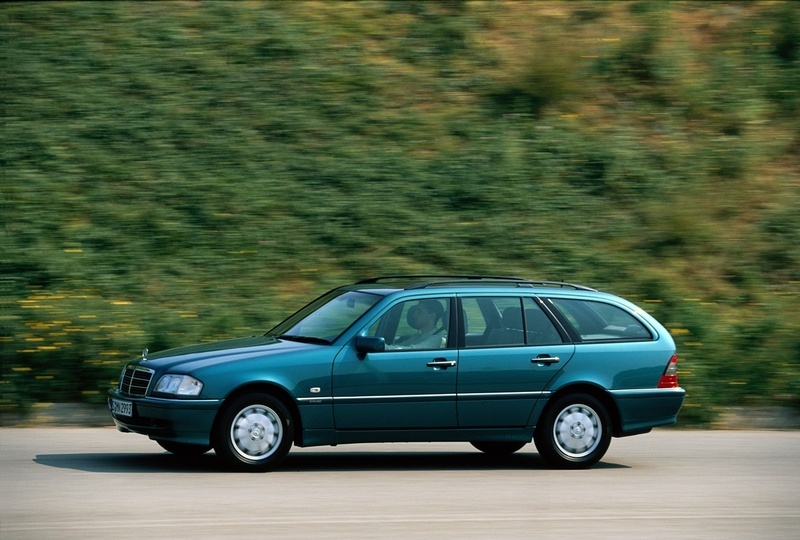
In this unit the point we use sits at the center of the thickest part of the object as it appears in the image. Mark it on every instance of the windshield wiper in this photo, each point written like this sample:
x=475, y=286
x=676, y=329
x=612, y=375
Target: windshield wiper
x=305, y=339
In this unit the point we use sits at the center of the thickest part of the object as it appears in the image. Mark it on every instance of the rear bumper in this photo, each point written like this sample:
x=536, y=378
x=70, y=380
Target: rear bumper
x=641, y=410
x=180, y=420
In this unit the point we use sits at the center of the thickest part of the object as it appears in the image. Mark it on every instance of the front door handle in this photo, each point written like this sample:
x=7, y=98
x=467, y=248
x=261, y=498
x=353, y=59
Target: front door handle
x=441, y=363
x=545, y=359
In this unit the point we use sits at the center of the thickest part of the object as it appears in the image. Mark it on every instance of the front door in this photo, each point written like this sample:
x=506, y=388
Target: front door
x=410, y=385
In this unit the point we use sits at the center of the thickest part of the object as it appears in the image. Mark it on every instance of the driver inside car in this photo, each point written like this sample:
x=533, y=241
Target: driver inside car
x=423, y=317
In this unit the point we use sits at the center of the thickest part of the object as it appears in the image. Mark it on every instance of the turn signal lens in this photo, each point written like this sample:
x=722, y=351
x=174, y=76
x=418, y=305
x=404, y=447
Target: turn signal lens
x=670, y=377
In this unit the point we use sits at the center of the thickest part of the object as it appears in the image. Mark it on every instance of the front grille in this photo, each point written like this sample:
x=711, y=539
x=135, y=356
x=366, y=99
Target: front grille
x=135, y=380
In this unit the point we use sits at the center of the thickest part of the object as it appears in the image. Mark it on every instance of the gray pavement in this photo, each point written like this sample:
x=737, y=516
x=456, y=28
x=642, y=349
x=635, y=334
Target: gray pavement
x=96, y=482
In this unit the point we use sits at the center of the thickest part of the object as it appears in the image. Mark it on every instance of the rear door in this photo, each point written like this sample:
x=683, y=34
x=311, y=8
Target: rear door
x=509, y=350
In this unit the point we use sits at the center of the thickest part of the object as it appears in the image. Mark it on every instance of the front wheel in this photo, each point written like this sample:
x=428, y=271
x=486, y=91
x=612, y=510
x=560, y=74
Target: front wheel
x=254, y=433
x=574, y=432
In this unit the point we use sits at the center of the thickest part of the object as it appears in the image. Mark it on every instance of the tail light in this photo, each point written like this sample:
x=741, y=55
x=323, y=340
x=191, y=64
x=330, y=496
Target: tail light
x=670, y=377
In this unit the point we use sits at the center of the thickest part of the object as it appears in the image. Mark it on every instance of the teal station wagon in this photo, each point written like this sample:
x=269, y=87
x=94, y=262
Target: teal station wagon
x=494, y=361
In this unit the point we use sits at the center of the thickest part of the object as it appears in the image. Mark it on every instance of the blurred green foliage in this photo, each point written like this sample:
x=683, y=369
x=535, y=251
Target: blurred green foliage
x=182, y=171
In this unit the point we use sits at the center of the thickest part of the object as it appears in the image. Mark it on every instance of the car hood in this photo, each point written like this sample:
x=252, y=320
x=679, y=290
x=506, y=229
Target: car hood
x=197, y=356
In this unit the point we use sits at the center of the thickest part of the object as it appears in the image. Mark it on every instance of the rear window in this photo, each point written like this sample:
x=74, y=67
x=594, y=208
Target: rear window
x=598, y=321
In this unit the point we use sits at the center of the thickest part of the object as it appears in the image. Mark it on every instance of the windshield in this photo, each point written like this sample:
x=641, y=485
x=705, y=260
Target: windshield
x=324, y=319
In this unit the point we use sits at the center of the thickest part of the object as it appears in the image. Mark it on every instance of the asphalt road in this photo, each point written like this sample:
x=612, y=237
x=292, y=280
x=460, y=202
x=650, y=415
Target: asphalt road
x=96, y=482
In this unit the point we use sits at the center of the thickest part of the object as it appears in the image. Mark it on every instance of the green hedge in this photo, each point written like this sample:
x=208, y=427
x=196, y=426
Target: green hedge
x=179, y=172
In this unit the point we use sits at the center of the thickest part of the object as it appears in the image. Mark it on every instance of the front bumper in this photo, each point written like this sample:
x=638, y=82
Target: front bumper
x=181, y=420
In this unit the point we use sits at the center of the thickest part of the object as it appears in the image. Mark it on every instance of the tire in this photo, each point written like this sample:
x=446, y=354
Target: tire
x=574, y=432
x=498, y=448
x=254, y=433
x=184, y=449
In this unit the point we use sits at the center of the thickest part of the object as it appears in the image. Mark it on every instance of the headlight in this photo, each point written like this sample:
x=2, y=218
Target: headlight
x=180, y=385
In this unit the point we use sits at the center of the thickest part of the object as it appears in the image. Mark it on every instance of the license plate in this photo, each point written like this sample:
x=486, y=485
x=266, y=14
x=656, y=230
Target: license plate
x=121, y=408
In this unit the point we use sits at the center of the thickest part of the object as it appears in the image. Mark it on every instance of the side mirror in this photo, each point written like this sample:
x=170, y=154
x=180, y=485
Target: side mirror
x=367, y=344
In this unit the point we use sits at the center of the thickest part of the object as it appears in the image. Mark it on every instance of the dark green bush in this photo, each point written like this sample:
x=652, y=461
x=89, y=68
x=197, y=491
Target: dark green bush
x=175, y=173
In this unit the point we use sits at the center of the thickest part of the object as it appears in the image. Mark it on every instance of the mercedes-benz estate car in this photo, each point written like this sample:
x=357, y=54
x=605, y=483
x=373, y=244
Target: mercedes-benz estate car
x=494, y=361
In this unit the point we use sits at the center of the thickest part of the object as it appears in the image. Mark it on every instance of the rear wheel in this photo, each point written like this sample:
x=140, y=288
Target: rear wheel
x=498, y=448
x=254, y=433
x=574, y=432
x=184, y=449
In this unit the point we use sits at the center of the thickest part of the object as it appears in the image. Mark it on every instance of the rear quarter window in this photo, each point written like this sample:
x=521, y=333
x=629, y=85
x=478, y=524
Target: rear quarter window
x=599, y=321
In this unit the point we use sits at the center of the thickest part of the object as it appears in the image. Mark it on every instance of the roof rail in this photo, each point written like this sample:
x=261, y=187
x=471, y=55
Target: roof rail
x=422, y=281
x=419, y=277
x=563, y=284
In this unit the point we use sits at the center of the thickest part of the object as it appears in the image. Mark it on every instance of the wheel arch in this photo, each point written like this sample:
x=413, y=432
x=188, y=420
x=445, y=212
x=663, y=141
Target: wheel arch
x=596, y=392
x=272, y=389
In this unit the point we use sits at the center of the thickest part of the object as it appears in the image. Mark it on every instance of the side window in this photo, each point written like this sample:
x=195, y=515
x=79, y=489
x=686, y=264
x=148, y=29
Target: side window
x=414, y=324
x=598, y=321
x=492, y=321
x=505, y=321
x=539, y=330
x=474, y=322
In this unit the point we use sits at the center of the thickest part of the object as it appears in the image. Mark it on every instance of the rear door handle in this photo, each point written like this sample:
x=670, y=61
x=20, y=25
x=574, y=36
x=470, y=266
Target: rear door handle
x=545, y=359
x=441, y=363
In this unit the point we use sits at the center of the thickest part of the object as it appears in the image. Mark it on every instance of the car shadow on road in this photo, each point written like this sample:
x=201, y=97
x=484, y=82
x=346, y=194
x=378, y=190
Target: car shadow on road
x=301, y=462
x=416, y=461
x=131, y=463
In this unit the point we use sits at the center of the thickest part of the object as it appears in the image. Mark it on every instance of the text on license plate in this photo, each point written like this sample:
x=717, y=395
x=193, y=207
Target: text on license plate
x=121, y=408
